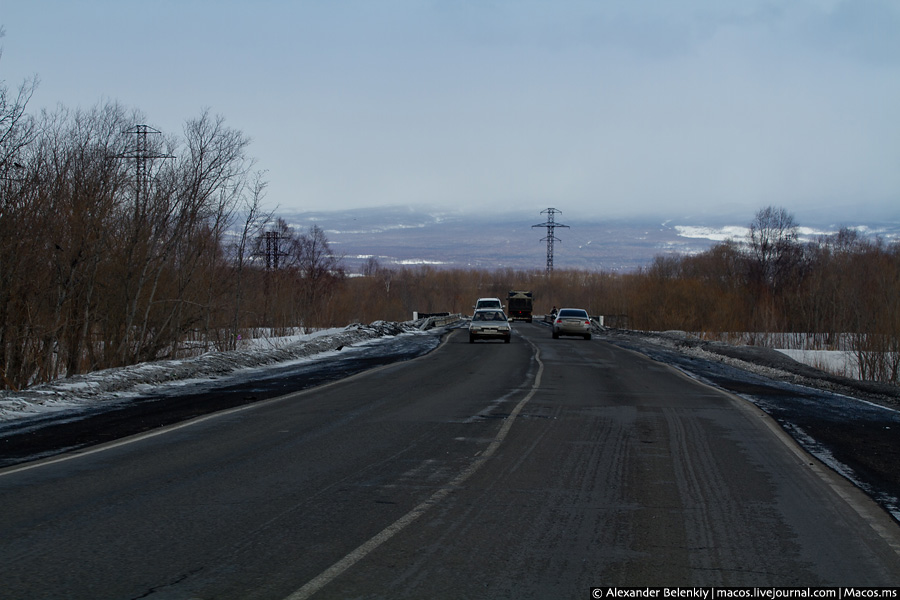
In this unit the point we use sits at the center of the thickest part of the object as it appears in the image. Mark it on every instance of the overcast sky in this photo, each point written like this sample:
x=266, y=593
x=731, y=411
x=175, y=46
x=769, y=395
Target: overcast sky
x=592, y=107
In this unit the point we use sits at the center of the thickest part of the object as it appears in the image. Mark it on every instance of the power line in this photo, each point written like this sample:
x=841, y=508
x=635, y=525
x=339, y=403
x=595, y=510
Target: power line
x=550, y=224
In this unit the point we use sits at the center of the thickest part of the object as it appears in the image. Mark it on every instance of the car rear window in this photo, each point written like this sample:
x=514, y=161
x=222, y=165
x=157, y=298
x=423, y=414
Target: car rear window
x=488, y=304
x=580, y=314
x=489, y=316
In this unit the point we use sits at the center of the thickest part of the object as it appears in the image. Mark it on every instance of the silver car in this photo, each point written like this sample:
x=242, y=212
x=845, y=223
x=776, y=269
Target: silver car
x=572, y=321
x=489, y=324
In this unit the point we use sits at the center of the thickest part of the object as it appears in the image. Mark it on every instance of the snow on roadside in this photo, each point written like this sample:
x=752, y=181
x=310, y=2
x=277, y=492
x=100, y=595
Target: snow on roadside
x=119, y=384
x=773, y=364
x=675, y=340
x=837, y=362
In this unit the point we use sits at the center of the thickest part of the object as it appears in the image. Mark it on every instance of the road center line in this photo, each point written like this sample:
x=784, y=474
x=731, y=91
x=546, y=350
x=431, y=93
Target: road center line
x=332, y=572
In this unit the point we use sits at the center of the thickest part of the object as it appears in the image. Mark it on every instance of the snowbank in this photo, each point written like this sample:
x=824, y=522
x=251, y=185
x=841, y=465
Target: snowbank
x=119, y=384
x=837, y=362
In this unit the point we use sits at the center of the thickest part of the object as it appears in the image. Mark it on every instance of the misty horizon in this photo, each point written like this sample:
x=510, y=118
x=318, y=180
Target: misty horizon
x=403, y=236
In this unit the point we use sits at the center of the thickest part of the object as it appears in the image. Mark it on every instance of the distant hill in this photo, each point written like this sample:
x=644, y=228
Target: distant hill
x=399, y=236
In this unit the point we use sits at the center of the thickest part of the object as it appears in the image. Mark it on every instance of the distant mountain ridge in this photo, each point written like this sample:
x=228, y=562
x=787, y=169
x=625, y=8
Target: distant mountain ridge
x=400, y=236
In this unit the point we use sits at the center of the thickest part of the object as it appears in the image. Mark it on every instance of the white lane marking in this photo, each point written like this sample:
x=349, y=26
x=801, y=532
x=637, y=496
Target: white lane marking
x=332, y=572
x=122, y=442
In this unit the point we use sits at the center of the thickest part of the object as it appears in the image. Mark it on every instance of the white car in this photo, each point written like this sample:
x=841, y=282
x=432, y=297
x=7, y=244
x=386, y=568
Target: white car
x=489, y=324
x=572, y=321
x=488, y=303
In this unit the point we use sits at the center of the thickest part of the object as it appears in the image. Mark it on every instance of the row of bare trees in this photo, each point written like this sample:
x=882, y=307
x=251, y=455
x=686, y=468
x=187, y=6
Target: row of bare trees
x=95, y=271
x=119, y=244
x=838, y=285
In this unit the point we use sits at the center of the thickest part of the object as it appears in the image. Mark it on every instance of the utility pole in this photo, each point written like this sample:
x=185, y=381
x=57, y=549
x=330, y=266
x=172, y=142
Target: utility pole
x=551, y=224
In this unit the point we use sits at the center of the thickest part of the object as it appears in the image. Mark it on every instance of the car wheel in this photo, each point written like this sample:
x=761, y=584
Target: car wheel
x=471, y=339
x=587, y=336
x=555, y=336
x=506, y=340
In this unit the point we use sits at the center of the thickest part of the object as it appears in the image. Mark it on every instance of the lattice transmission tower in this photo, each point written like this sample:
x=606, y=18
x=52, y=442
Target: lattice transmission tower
x=273, y=252
x=142, y=155
x=551, y=225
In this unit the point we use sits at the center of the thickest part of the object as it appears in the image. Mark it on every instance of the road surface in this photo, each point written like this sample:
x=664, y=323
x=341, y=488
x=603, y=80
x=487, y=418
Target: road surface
x=535, y=469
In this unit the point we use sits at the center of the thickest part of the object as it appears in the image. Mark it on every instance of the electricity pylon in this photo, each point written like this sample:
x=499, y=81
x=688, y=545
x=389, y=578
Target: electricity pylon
x=551, y=224
x=142, y=154
x=273, y=249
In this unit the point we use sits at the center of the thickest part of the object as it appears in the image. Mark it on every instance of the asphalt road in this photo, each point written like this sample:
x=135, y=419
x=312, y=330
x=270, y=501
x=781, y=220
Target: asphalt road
x=26, y=440
x=535, y=469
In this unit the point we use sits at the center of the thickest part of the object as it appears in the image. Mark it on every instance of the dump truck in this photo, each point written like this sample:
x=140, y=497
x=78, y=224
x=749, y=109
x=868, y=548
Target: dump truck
x=519, y=305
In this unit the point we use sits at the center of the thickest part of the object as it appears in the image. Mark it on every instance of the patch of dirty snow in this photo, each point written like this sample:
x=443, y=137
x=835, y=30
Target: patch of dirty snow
x=120, y=384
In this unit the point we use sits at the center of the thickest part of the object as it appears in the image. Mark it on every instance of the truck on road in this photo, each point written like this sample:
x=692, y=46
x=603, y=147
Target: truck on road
x=520, y=305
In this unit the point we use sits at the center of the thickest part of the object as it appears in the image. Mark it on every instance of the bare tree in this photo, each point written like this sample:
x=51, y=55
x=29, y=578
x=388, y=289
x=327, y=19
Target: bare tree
x=18, y=213
x=176, y=230
x=17, y=128
x=255, y=220
x=370, y=267
x=320, y=271
x=84, y=181
x=773, y=246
